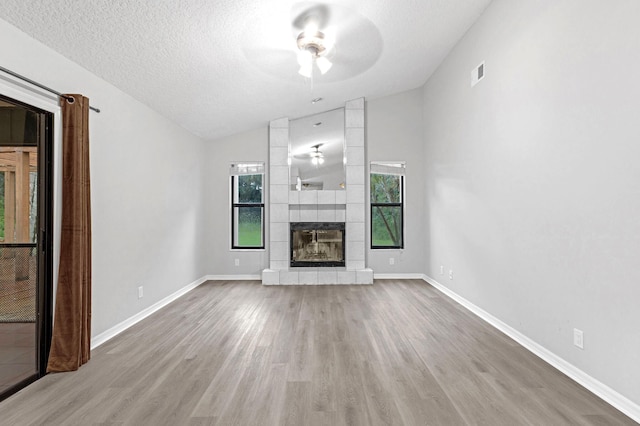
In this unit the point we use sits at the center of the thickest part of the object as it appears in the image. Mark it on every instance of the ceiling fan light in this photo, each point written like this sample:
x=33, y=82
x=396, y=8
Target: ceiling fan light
x=314, y=161
x=312, y=48
x=304, y=57
x=320, y=160
x=305, y=70
x=324, y=64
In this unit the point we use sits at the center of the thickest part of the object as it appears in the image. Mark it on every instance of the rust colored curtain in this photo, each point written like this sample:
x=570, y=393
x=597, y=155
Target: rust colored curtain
x=70, y=345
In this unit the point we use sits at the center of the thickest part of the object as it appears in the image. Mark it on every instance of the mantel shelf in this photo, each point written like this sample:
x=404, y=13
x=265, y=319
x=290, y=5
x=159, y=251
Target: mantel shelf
x=323, y=197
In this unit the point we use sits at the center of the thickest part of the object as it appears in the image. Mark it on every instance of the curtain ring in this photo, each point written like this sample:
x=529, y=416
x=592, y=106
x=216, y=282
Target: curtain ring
x=70, y=99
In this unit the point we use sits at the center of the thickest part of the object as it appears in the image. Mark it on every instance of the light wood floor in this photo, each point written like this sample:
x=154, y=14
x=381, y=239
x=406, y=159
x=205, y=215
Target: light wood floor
x=397, y=352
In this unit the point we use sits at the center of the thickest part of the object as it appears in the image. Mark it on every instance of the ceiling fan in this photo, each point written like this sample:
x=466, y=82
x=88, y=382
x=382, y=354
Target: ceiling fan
x=314, y=38
x=316, y=156
x=314, y=46
x=316, y=41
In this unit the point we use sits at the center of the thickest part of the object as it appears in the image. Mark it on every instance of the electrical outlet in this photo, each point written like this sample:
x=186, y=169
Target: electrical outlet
x=140, y=292
x=237, y=262
x=578, y=338
x=392, y=261
x=450, y=274
x=441, y=269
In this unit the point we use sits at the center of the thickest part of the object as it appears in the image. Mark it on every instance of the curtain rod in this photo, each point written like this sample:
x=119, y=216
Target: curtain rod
x=35, y=83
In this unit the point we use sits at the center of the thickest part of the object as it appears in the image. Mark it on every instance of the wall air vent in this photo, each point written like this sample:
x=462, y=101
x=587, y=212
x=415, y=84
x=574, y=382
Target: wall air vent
x=477, y=74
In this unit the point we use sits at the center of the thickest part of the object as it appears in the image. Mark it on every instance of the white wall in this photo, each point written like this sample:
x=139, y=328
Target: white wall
x=147, y=186
x=395, y=133
x=220, y=260
x=533, y=181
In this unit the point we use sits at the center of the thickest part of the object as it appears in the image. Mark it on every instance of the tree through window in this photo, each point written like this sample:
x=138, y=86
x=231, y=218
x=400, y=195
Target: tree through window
x=387, y=205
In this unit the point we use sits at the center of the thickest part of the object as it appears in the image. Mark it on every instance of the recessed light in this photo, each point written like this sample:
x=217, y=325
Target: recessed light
x=318, y=124
x=316, y=100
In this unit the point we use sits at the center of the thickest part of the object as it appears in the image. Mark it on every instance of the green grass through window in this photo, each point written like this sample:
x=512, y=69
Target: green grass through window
x=249, y=234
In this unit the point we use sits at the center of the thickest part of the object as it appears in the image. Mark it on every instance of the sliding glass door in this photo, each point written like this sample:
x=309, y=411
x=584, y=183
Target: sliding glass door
x=25, y=250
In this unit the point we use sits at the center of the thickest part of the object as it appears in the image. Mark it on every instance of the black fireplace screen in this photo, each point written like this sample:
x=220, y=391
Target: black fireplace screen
x=317, y=244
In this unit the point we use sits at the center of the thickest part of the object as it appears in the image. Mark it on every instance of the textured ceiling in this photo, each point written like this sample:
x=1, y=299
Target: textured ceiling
x=220, y=67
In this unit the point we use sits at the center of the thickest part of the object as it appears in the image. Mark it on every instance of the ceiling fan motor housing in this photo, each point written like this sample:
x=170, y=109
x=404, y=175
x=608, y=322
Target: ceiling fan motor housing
x=313, y=43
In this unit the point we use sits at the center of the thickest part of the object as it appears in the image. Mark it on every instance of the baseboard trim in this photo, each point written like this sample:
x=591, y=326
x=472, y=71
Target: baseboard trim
x=620, y=402
x=257, y=277
x=401, y=276
x=119, y=328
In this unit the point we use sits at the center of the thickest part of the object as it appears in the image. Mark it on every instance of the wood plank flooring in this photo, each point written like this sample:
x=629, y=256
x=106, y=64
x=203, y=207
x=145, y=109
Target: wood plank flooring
x=238, y=353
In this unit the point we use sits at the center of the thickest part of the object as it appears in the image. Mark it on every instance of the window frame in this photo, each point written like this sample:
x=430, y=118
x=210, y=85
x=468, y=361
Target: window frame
x=402, y=218
x=235, y=205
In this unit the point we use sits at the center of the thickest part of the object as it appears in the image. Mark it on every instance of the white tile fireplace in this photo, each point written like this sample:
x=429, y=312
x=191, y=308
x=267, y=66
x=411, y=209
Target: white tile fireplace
x=346, y=206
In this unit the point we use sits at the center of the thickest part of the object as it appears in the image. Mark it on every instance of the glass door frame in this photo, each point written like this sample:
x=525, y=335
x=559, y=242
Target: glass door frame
x=44, y=291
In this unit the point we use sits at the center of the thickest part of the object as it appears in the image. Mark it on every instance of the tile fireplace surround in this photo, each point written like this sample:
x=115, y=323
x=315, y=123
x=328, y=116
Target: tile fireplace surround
x=347, y=206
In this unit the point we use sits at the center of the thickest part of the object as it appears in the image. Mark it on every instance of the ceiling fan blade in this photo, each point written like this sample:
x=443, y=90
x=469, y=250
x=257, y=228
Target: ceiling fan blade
x=302, y=12
x=306, y=70
x=324, y=64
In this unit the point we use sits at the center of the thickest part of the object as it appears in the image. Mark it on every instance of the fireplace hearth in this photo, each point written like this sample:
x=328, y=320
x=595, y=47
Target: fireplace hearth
x=317, y=244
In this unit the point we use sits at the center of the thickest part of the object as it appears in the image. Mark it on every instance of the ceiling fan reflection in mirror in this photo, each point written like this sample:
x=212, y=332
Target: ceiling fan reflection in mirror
x=316, y=156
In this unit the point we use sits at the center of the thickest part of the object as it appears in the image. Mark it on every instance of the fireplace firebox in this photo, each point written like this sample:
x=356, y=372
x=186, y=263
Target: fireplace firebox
x=317, y=244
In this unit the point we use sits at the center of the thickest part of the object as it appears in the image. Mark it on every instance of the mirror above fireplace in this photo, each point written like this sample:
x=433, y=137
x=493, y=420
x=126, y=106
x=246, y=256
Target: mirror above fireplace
x=316, y=151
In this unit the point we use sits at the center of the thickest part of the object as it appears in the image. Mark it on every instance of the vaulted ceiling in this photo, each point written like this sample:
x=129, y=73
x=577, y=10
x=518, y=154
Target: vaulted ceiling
x=220, y=67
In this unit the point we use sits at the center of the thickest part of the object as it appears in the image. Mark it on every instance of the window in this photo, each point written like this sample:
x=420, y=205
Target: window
x=387, y=205
x=247, y=206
